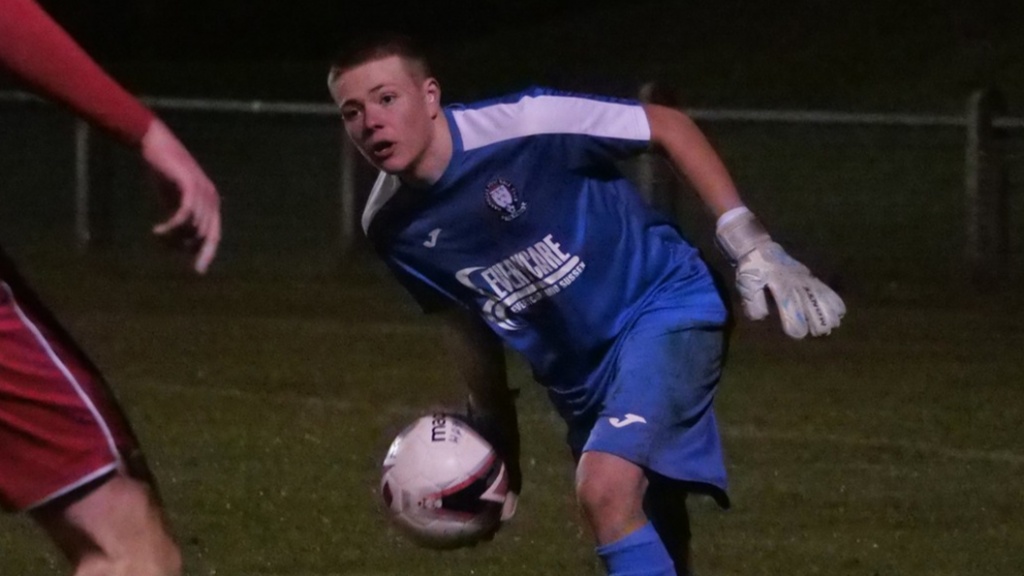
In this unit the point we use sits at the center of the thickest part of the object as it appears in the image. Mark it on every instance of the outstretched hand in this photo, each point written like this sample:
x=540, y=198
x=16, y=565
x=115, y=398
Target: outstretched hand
x=806, y=305
x=197, y=215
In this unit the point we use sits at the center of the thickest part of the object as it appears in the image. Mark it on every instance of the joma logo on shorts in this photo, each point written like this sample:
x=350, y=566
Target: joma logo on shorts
x=629, y=419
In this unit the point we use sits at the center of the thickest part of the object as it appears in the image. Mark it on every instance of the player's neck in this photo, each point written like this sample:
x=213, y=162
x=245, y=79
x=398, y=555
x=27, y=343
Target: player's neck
x=434, y=160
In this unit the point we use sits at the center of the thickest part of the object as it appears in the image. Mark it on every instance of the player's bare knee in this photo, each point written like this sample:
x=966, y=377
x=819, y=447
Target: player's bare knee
x=152, y=550
x=113, y=528
x=607, y=499
x=610, y=493
x=594, y=494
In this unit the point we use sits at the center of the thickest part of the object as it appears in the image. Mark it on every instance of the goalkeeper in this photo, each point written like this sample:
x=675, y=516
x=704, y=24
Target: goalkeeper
x=510, y=219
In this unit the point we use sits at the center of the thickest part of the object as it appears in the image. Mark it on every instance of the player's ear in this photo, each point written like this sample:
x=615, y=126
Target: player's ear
x=432, y=91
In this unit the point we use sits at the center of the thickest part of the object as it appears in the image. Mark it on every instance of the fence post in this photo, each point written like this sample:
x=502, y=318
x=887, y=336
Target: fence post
x=987, y=201
x=348, y=218
x=655, y=179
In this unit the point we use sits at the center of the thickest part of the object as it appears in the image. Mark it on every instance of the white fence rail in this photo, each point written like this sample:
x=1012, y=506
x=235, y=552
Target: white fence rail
x=986, y=226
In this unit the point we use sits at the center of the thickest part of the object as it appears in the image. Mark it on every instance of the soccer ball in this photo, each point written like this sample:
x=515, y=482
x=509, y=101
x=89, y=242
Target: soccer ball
x=443, y=484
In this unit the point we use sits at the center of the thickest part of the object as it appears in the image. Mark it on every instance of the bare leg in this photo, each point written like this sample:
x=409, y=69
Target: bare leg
x=610, y=491
x=115, y=528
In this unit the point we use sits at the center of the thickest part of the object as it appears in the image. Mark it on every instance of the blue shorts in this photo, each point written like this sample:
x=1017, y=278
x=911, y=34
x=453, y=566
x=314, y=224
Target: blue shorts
x=658, y=411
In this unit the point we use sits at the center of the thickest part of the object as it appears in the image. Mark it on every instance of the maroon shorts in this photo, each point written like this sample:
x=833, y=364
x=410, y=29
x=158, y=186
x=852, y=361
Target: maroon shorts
x=60, y=427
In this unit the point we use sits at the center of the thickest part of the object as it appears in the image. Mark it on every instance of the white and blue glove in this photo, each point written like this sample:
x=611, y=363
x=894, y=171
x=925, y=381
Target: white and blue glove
x=805, y=304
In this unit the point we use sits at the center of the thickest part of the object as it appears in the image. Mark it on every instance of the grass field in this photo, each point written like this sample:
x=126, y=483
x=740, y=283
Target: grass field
x=892, y=447
x=267, y=394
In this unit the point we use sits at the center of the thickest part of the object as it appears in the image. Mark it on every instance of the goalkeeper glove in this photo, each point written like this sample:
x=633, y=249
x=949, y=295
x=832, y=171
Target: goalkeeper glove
x=805, y=304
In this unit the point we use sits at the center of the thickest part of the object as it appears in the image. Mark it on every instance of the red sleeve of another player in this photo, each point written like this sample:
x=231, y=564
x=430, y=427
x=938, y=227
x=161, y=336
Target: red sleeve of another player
x=39, y=51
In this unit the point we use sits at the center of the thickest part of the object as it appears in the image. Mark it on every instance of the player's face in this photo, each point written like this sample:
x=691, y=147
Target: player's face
x=389, y=114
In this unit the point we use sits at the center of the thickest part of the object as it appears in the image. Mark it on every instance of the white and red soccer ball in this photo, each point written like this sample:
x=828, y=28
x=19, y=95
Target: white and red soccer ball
x=443, y=484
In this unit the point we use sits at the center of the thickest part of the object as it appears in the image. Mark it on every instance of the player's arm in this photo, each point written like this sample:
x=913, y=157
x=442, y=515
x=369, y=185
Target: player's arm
x=805, y=304
x=479, y=356
x=675, y=135
x=40, y=52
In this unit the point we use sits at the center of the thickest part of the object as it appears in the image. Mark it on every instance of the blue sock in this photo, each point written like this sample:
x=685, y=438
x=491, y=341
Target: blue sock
x=640, y=553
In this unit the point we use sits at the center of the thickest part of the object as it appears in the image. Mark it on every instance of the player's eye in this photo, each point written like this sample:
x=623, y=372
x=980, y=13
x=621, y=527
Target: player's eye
x=388, y=99
x=349, y=114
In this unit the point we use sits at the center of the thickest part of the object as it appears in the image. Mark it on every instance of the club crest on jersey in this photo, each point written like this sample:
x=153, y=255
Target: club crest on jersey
x=503, y=197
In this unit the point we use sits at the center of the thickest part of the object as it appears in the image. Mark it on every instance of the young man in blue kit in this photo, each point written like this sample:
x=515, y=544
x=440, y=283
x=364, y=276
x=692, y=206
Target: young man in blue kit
x=509, y=217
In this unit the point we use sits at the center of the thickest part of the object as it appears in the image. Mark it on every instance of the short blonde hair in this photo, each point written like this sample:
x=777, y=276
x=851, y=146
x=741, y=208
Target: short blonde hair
x=377, y=47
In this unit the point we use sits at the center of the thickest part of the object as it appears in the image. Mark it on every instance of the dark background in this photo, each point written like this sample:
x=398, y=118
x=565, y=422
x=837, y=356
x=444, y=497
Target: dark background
x=280, y=173
x=884, y=55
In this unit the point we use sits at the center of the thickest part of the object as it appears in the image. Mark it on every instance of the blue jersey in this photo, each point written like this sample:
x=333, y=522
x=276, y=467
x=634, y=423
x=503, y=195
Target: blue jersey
x=533, y=226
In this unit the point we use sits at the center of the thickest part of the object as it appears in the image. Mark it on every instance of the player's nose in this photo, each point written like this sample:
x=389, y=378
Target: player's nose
x=372, y=119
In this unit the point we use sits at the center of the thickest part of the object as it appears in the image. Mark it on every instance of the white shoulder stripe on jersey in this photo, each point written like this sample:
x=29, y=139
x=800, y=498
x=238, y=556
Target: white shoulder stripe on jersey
x=383, y=189
x=550, y=114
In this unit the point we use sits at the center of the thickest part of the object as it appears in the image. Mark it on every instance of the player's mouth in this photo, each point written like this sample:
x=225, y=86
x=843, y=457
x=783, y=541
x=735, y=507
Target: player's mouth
x=382, y=150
